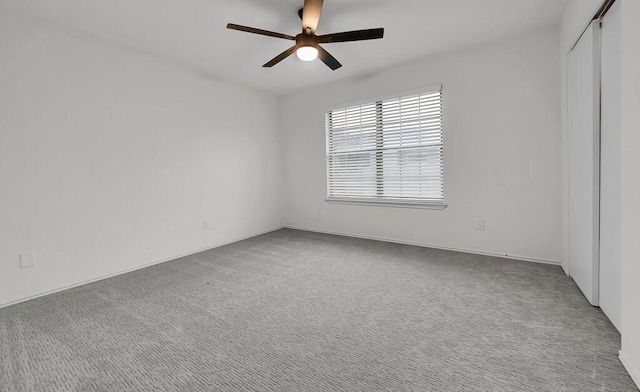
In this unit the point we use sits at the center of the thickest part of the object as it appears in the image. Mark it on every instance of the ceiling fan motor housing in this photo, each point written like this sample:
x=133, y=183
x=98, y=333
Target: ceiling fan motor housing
x=306, y=40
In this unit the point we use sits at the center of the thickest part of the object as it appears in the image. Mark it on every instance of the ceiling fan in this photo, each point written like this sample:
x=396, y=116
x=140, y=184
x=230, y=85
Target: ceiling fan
x=307, y=46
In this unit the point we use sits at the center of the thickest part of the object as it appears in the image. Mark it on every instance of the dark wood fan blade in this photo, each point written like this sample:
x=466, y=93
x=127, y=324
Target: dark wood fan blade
x=311, y=14
x=328, y=59
x=281, y=57
x=260, y=31
x=356, y=35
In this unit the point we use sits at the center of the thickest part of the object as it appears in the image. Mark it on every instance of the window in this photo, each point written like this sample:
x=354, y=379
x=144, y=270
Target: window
x=388, y=151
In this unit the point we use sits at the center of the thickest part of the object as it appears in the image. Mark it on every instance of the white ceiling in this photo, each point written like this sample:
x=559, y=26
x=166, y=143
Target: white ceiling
x=193, y=32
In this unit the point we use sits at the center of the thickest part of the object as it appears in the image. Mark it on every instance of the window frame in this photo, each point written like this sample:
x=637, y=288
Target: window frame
x=386, y=201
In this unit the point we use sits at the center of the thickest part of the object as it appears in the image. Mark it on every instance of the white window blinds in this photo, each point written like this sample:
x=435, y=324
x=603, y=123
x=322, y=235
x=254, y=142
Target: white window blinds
x=387, y=150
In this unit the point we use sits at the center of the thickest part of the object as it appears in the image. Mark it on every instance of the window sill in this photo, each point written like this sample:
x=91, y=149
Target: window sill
x=388, y=203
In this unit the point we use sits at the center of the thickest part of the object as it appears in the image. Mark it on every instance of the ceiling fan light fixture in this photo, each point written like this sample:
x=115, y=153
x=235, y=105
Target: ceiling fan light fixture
x=307, y=53
x=306, y=46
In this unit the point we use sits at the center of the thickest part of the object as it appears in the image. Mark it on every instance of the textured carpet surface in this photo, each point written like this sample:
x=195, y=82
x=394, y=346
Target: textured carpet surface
x=298, y=311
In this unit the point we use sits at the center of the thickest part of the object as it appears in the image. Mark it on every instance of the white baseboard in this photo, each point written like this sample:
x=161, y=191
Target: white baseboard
x=44, y=293
x=425, y=245
x=633, y=372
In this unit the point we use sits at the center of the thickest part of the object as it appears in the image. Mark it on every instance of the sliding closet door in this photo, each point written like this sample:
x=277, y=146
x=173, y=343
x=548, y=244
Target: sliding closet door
x=610, y=166
x=584, y=162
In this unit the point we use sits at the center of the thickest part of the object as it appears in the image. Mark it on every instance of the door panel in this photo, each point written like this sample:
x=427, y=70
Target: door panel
x=584, y=161
x=610, y=166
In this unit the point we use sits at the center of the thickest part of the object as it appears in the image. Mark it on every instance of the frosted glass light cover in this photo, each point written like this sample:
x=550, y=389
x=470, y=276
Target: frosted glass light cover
x=307, y=53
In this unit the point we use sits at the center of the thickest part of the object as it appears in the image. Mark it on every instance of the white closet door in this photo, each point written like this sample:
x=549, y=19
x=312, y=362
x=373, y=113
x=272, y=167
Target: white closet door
x=584, y=162
x=610, y=166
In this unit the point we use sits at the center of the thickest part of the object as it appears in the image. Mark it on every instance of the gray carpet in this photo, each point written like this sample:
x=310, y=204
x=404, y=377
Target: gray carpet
x=298, y=311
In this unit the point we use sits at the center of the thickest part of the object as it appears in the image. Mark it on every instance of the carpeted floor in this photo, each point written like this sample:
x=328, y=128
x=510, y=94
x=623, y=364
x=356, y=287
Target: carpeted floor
x=298, y=311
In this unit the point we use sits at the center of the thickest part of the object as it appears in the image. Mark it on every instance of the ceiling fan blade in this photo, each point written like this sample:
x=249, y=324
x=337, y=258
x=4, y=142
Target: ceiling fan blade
x=356, y=35
x=328, y=59
x=281, y=57
x=311, y=14
x=260, y=31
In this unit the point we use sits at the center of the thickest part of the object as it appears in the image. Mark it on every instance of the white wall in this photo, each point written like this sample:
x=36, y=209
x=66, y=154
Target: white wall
x=630, y=353
x=502, y=152
x=110, y=160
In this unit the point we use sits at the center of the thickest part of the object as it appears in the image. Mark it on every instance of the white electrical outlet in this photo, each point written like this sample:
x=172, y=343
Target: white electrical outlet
x=480, y=224
x=205, y=225
x=27, y=259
